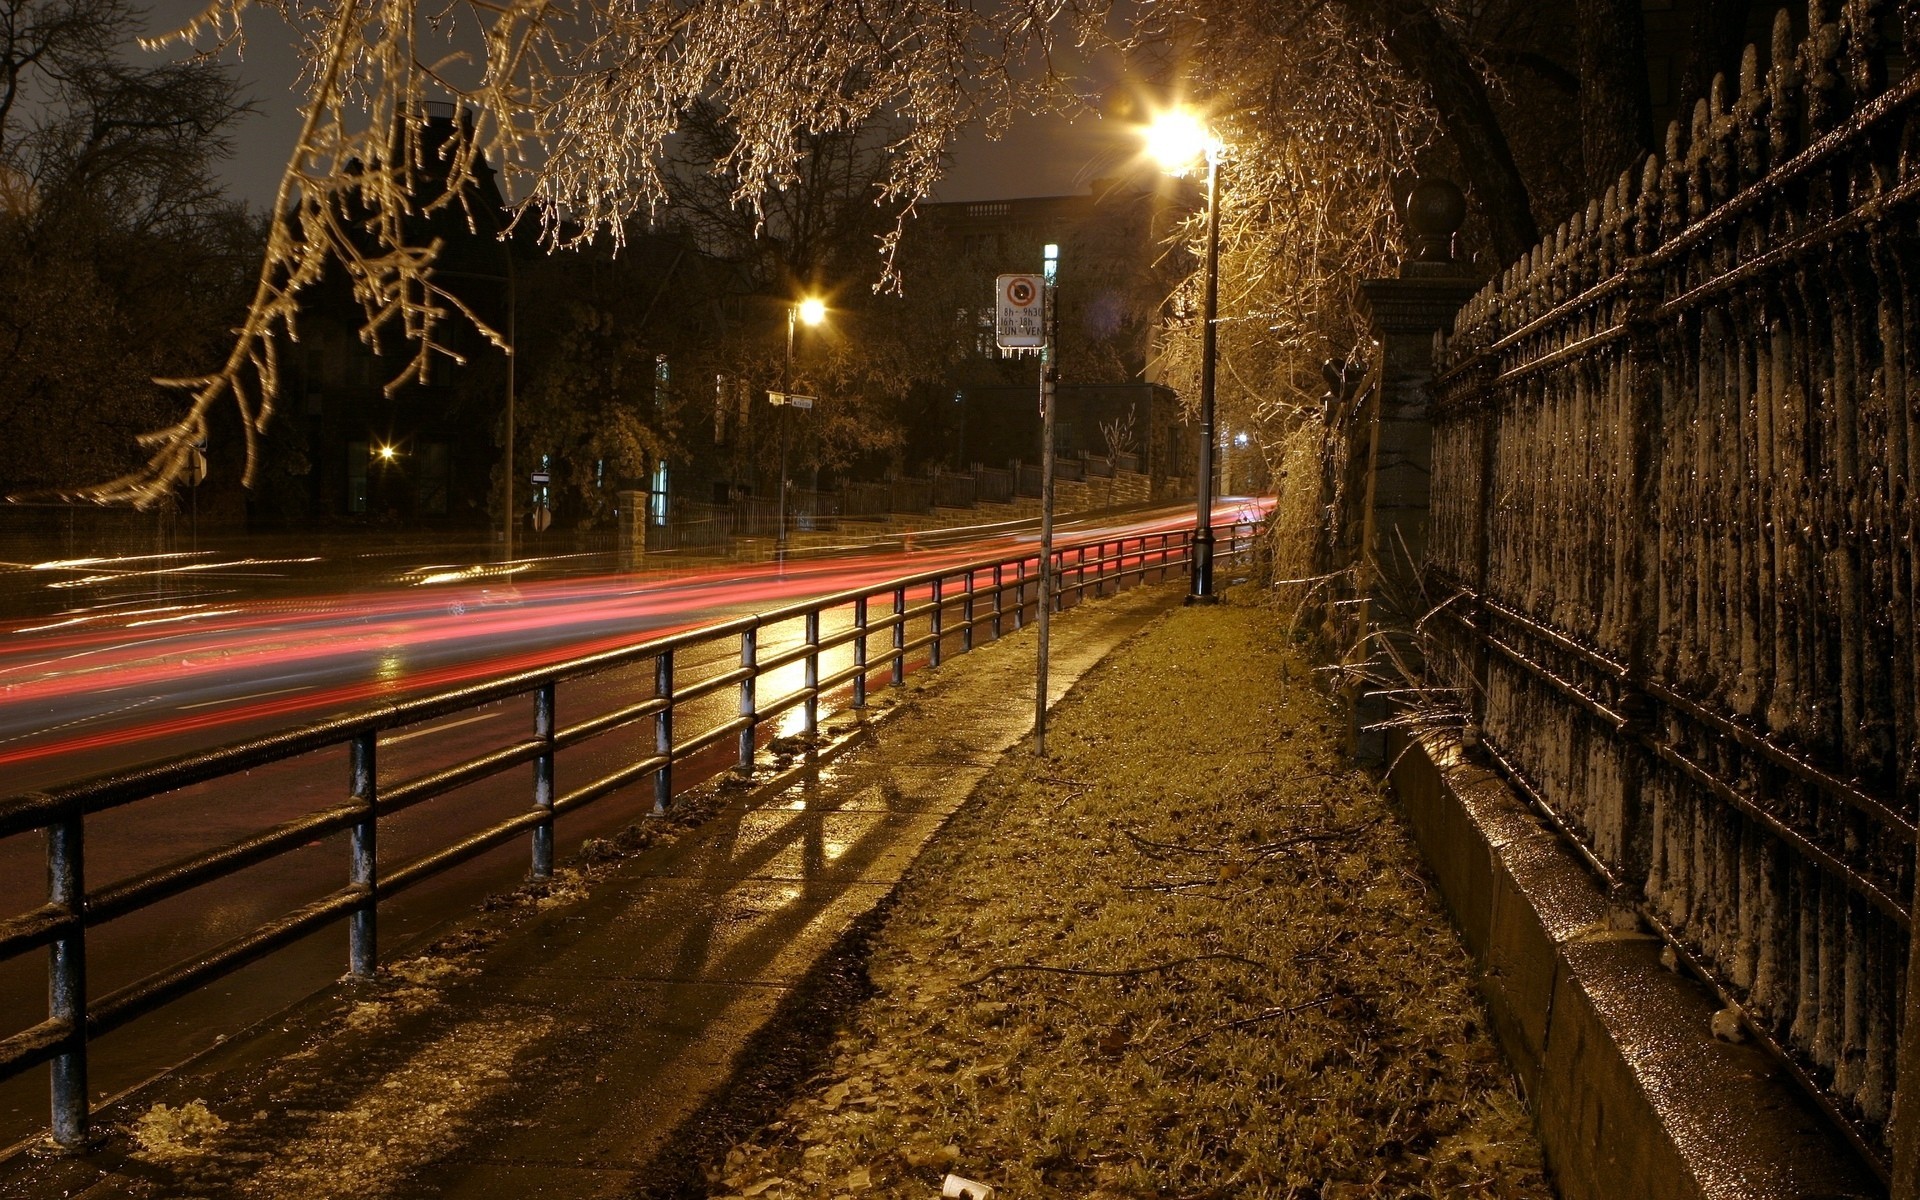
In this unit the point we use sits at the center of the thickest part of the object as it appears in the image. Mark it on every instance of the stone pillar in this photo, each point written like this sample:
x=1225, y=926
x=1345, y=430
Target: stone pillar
x=632, y=506
x=1395, y=439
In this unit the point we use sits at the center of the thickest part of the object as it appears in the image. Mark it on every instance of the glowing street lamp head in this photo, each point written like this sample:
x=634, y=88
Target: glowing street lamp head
x=812, y=311
x=1179, y=141
x=386, y=453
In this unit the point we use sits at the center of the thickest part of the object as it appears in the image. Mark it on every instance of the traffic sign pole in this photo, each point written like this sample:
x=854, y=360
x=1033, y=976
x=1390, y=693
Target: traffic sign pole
x=1049, y=378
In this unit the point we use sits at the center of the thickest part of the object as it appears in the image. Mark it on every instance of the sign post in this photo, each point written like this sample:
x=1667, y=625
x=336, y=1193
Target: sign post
x=1026, y=313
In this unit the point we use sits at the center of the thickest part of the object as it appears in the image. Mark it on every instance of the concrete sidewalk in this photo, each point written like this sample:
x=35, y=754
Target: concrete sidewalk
x=579, y=1039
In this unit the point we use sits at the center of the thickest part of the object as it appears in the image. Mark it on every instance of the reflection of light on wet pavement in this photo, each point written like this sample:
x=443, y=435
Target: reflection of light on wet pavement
x=777, y=685
x=427, y=576
x=189, y=616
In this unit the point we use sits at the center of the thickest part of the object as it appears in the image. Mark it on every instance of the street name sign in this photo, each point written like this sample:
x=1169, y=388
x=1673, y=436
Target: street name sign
x=791, y=399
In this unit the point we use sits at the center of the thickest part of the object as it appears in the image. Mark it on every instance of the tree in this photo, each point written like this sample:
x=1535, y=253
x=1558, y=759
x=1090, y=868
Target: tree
x=119, y=258
x=576, y=105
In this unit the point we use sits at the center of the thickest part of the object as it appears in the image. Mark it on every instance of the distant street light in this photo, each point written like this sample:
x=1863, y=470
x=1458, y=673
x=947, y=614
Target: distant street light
x=1178, y=140
x=809, y=311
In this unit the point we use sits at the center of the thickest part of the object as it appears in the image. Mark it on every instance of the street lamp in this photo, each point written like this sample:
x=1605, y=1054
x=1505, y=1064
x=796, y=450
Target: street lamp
x=1177, y=140
x=811, y=310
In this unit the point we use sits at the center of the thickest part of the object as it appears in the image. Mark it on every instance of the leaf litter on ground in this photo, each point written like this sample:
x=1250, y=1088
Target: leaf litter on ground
x=1287, y=1013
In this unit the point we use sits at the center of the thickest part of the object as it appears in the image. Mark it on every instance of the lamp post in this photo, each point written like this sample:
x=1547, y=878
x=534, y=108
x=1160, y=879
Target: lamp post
x=809, y=311
x=1177, y=139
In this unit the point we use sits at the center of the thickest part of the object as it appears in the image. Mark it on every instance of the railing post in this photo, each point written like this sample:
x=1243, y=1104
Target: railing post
x=999, y=597
x=363, y=926
x=813, y=672
x=939, y=612
x=899, y=636
x=67, y=978
x=860, y=653
x=966, y=616
x=543, y=699
x=749, y=659
x=663, y=730
x=1020, y=595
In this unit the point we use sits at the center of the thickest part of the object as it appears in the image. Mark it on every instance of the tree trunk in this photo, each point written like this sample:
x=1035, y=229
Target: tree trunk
x=1718, y=36
x=1415, y=37
x=1616, y=113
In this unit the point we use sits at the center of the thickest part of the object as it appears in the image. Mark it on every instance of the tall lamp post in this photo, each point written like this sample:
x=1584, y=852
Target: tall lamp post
x=809, y=311
x=1178, y=140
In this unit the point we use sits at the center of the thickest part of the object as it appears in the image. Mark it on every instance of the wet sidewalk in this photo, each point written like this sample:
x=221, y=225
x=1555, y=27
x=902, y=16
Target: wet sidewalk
x=570, y=1040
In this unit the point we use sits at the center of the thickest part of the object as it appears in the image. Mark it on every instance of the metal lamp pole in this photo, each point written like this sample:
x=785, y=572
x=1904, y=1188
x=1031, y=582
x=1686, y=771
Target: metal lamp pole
x=811, y=311
x=786, y=402
x=1201, y=591
x=513, y=356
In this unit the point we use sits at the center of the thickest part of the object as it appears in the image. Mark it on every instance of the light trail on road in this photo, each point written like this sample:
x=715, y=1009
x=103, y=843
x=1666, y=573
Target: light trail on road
x=146, y=682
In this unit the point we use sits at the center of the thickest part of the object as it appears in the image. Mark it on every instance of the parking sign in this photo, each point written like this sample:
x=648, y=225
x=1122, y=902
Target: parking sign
x=1020, y=317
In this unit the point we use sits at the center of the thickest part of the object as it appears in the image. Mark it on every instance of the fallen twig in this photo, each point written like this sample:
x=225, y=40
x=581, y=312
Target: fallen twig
x=1171, y=885
x=1176, y=847
x=1238, y=1022
x=1120, y=974
x=1347, y=833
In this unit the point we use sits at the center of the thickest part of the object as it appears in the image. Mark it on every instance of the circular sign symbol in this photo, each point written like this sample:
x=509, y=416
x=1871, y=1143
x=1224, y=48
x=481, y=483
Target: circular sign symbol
x=1020, y=293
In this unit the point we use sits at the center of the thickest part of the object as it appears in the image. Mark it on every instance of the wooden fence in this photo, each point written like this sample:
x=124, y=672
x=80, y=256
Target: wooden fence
x=1673, y=523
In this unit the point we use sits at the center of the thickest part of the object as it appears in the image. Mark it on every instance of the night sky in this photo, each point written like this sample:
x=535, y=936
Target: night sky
x=1039, y=157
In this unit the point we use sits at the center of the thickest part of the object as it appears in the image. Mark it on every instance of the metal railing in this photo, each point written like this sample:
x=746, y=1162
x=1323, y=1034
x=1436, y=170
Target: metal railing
x=1673, y=524
x=932, y=612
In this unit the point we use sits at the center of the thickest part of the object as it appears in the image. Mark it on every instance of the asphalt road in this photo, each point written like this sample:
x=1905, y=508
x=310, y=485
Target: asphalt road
x=107, y=687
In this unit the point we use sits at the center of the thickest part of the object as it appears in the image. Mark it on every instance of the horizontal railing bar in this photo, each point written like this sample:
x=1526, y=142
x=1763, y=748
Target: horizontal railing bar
x=399, y=878
x=1781, y=757
x=42, y=925
x=165, y=882
x=593, y=727
x=799, y=652
x=712, y=684
x=774, y=708
x=701, y=741
x=1553, y=358
x=111, y=1011
x=1704, y=778
x=1561, y=642
x=1594, y=708
x=912, y=644
x=395, y=797
x=844, y=637
x=610, y=782
x=846, y=674
x=31, y=1047
x=1747, y=739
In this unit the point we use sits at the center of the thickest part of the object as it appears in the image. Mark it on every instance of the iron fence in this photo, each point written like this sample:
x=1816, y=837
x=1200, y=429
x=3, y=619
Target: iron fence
x=929, y=614
x=1673, y=519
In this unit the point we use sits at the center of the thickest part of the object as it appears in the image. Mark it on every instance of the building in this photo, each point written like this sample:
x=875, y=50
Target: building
x=1115, y=273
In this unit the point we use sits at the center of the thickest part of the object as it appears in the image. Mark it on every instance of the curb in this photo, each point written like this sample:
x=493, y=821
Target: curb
x=1631, y=1093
